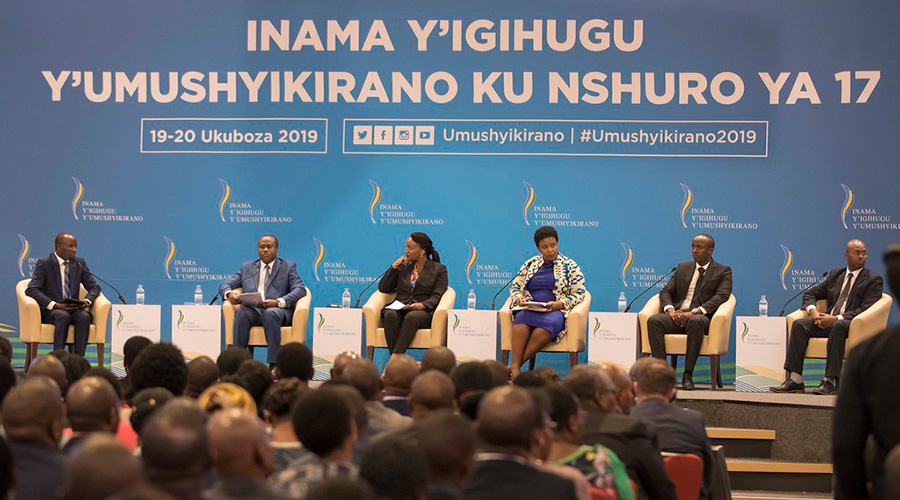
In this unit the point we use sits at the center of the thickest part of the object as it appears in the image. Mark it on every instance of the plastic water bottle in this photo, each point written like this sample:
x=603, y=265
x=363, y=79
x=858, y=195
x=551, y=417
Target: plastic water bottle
x=345, y=298
x=470, y=299
x=763, y=306
x=622, y=302
x=139, y=295
x=198, y=296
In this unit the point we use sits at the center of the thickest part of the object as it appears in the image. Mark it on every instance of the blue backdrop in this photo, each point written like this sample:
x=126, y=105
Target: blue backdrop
x=98, y=154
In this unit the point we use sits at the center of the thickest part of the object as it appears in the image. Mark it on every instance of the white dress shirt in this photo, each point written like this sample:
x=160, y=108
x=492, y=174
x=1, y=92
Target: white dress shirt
x=686, y=303
x=847, y=275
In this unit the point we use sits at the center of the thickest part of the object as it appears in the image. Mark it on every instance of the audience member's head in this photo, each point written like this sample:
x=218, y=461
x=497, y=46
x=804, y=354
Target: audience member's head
x=160, y=365
x=529, y=379
x=230, y=360
x=7, y=472
x=439, y=358
x=145, y=403
x=548, y=374
x=593, y=387
x=507, y=419
x=325, y=425
x=432, y=390
x=471, y=376
x=51, y=366
x=202, y=372
x=76, y=366
x=399, y=374
x=143, y=492
x=110, y=377
x=655, y=379
x=395, y=468
x=133, y=346
x=101, y=468
x=340, y=362
x=542, y=437
x=340, y=488
x=8, y=379
x=892, y=268
x=280, y=398
x=225, y=395
x=498, y=371
x=892, y=474
x=239, y=446
x=92, y=405
x=295, y=359
x=362, y=374
x=33, y=412
x=258, y=378
x=6, y=349
x=354, y=400
x=565, y=411
x=622, y=380
x=448, y=442
x=174, y=446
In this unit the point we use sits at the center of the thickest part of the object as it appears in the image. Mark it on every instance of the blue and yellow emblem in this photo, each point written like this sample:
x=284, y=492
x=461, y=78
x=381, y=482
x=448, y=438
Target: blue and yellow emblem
x=529, y=201
x=376, y=197
x=320, y=256
x=226, y=196
x=626, y=264
x=170, y=255
x=686, y=203
x=79, y=194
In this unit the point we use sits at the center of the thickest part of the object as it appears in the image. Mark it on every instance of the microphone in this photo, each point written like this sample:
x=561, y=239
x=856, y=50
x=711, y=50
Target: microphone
x=122, y=299
x=628, y=308
x=800, y=292
x=219, y=292
x=359, y=298
x=494, y=300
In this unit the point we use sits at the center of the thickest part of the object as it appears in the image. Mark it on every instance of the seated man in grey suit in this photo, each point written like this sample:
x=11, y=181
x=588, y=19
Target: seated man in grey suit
x=848, y=291
x=277, y=281
x=688, y=303
x=678, y=430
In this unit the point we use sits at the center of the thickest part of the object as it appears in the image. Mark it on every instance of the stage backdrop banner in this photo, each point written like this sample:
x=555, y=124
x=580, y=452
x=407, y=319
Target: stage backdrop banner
x=168, y=136
x=761, y=347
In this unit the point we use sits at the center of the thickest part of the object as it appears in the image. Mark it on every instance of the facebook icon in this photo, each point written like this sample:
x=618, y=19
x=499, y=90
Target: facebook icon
x=384, y=134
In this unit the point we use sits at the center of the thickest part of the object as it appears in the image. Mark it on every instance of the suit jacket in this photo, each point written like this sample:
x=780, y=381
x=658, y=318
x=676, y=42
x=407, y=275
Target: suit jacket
x=867, y=404
x=431, y=285
x=39, y=471
x=679, y=430
x=282, y=283
x=46, y=284
x=714, y=290
x=628, y=438
x=504, y=479
x=864, y=293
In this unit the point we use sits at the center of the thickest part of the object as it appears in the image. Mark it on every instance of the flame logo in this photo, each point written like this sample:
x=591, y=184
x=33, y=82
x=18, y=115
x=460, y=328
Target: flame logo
x=376, y=197
x=226, y=195
x=626, y=264
x=455, y=322
x=688, y=201
x=120, y=319
x=320, y=256
x=7, y=328
x=596, y=327
x=79, y=194
x=745, y=332
x=23, y=254
x=788, y=262
x=529, y=201
x=170, y=255
x=321, y=322
x=473, y=256
x=180, y=319
x=848, y=203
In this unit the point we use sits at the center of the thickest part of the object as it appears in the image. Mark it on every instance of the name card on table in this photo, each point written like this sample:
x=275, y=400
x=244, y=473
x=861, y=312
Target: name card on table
x=613, y=336
x=133, y=321
x=197, y=330
x=336, y=330
x=760, y=348
x=472, y=334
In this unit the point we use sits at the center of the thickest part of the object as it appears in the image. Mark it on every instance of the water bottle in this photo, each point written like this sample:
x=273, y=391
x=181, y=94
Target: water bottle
x=763, y=306
x=622, y=302
x=470, y=299
x=139, y=295
x=198, y=296
x=345, y=298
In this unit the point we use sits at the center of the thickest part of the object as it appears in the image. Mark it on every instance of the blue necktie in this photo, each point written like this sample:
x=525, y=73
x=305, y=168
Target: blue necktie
x=66, y=285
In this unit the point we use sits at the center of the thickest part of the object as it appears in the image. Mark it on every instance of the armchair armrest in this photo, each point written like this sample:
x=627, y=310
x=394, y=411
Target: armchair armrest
x=228, y=311
x=300, y=319
x=870, y=322
x=372, y=313
x=29, y=314
x=576, y=324
x=649, y=309
x=720, y=327
x=505, y=316
x=100, y=311
x=439, y=318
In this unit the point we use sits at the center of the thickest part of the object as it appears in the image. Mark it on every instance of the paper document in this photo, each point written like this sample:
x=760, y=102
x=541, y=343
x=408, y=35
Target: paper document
x=396, y=306
x=532, y=306
x=250, y=299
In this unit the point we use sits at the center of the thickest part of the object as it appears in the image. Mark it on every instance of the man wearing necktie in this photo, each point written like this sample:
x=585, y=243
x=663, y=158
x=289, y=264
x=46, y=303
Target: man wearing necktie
x=55, y=286
x=847, y=291
x=277, y=281
x=688, y=301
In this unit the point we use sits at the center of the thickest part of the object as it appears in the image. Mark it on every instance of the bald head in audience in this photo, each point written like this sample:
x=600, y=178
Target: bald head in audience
x=102, y=467
x=439, y=358
x=399, y=374
x=51, y=366
x=202, y=373
x=432, y=390
x=93, y=406
x=593, y=386
x=362, y=374
x=341, y=361
x=507, y=420
x=33, y=412
x=175, y=448
x=622, y=381
x=239, y=446
x=498, y=372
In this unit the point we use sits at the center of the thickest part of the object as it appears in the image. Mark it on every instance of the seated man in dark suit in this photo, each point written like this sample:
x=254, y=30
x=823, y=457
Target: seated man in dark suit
x=848, y=291
x=55, y=287
x=688, y=302
x=627, y=437
x=508, y=422
x=277, y=281
x=678, y=430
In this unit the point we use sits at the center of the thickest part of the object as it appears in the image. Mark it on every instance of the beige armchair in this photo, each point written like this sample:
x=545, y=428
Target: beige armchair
x=865, y=325
x=715, y=345
x=296, y=332
x=572, y=343
x=425, y=337
x=33, y=332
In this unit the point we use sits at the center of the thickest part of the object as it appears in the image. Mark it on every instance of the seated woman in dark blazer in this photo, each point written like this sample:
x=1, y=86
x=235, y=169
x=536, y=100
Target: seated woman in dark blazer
x=419, y=280
x=549, y=277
